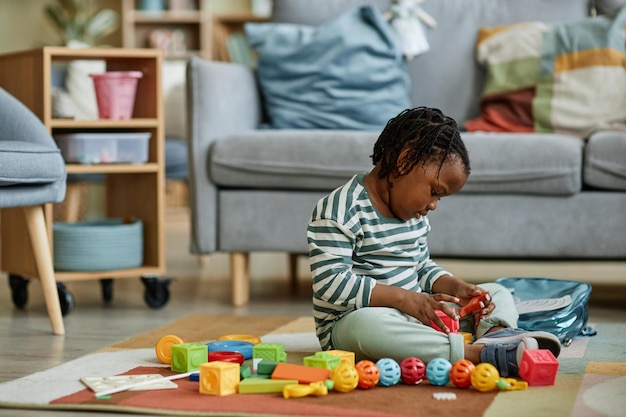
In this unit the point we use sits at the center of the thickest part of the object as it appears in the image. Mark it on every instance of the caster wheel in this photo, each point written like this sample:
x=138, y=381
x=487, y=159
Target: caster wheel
x=66, y=299
x=19, y=290
x=157, y=293
x=107, y=289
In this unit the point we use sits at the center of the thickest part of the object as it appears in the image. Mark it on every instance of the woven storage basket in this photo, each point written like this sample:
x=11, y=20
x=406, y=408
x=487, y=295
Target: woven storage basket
x=98, y=245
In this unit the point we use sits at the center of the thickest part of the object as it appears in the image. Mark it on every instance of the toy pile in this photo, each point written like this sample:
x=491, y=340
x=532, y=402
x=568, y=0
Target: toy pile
x=220, y=369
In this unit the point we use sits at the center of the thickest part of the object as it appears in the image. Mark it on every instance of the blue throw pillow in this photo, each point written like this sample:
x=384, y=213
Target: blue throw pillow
x=345, y=74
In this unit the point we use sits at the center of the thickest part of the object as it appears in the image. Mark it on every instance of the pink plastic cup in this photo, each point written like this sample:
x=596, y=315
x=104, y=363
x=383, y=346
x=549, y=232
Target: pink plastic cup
x=115, y=93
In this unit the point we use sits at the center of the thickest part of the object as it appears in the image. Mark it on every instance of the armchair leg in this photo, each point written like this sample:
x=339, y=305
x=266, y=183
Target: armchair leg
x=37, y=231
x=240, y=278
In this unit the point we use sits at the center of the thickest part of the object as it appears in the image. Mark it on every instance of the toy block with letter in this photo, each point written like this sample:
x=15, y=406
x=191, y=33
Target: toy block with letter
x=188, y=357
x=538, y=367
x=219, y=378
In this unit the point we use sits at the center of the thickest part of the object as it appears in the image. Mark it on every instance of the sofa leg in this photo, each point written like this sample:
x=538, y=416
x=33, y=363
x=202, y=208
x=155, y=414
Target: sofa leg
x=240, y=278
x=38, y=233
x=293, y=272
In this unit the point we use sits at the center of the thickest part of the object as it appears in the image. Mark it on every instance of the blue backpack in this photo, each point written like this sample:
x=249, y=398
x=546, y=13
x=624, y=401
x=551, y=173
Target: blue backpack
x=560, y=307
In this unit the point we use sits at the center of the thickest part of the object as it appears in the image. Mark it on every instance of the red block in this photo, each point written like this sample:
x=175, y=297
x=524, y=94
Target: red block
x=452, y=324
x=538, y=367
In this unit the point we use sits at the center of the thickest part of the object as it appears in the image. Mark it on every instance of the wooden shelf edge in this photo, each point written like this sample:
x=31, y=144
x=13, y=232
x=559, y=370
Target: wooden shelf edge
x=117, y=273
x=111, y=168
x=104, y=123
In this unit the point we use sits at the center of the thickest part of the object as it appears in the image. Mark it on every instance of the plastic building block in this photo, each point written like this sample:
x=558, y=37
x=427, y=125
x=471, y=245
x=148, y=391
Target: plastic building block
x=438, y=371
x=303, y=374
x=344, y=355
x=266, y=367
x=245, y=348
x=453, y=325
x=219, y=378
x=264, y=386
x=389, y=372
x=368, y=374
x=188, y=357
x=322, y=360
x=244, y=371
x=538, y=367
x=412, y=371
x=163, y=347
x=475, y=304
x=270, y=351
x=302, y=390
x=467, y=337
x=235, y=357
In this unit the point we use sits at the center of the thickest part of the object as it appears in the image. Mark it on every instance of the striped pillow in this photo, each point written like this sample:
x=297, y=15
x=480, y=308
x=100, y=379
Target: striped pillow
x=561, y=78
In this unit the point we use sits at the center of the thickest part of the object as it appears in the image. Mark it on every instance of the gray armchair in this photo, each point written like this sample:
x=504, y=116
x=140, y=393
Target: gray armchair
x=32, y=174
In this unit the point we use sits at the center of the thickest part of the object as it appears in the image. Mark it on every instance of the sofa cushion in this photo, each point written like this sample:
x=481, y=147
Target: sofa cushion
x=345, y=74
x=447, y=76
x=524, y=163
x=29, y=163
x=605, y=160
x=324, y=160
x=567, y=78
x=291, y=159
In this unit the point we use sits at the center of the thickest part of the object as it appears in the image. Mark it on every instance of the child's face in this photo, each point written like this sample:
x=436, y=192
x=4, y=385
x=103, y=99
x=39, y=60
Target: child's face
x=419, y=191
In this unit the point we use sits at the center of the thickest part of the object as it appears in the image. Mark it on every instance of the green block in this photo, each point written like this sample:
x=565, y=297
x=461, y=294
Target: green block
x=266, y=367
x=263, y=386
x=322, y=360
x=270, y=351
x=244, y=371
x=188, y=357
x=259, y=376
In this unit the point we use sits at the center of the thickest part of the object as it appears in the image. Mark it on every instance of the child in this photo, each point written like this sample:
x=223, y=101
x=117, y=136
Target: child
x=375, y=288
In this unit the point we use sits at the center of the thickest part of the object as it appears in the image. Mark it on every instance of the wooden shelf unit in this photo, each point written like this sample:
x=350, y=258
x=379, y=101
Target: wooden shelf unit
x=224, y=25
x=195, y=24
x=132, y=190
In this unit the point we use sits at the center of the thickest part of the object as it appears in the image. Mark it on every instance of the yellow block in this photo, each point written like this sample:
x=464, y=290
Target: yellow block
x=219, y=378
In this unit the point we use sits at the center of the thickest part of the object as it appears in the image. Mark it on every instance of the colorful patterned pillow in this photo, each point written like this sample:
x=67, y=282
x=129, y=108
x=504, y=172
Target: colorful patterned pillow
x=561, y=78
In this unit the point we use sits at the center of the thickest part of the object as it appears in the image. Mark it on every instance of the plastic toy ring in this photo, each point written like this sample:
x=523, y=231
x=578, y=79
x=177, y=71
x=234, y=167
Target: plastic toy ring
x=255, y=340
x=163, y=347
x=223, y=356
x=245, y=348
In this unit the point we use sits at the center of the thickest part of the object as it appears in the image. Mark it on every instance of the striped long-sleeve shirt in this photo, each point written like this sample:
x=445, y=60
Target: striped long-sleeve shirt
x=352, y=248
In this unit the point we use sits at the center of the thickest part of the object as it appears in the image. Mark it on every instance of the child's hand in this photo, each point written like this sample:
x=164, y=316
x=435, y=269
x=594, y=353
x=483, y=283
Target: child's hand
x=422, y=306
x=466, y=292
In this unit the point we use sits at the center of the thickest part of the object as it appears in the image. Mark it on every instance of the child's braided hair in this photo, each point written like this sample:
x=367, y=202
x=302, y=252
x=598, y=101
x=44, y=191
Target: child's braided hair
x=426, y=133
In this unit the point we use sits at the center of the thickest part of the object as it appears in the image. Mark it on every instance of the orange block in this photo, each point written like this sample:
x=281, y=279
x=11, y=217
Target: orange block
x=303, y=374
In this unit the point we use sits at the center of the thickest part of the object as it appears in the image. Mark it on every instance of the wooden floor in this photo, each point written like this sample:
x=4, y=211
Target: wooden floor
x=27, y=345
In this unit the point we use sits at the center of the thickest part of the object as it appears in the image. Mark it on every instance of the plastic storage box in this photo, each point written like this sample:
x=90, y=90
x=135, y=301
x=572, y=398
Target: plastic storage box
x=104, y=148
x=97, y=245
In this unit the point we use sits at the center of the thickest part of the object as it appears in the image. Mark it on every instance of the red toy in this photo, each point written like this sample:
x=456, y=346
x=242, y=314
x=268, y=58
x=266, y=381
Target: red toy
x=412, y=371
x=538, y=367
x=453, y=325
x=475, y=304
x=461, y=373
x=368, y=374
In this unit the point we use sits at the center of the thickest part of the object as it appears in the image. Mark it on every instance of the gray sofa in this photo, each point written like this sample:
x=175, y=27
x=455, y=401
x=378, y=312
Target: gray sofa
x=547, y=204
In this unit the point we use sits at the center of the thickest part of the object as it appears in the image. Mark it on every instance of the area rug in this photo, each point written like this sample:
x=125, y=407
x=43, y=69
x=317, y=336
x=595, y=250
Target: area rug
x=591, y=381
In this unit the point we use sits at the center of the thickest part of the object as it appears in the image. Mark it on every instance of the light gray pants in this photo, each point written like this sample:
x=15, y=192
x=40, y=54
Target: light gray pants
x=381, y=332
